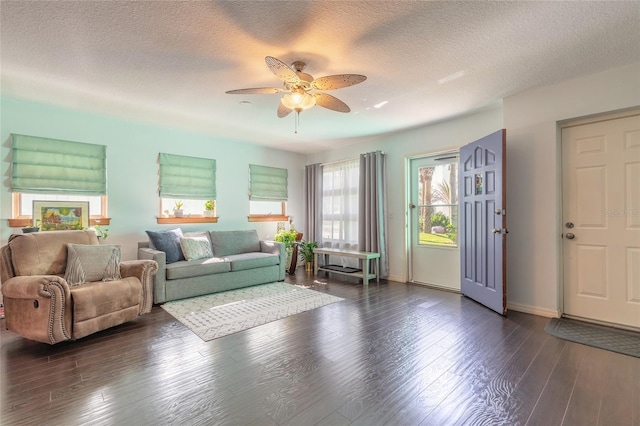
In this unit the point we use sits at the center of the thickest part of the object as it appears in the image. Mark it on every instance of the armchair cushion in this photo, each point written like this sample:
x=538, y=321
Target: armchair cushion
x=87, y=263
x=97, y=306
x=45, y=253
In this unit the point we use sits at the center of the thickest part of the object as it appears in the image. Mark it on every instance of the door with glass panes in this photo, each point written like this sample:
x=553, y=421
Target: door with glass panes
x=434, y=258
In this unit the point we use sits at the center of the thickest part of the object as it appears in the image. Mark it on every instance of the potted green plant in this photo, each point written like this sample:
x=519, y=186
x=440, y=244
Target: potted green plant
x=306, y=250
x=288, y=238
x=209, y=208
x=30, y=229
x=177, y=208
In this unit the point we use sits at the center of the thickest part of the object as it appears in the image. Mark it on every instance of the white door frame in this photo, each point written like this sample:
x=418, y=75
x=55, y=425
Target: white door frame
x=604, y=116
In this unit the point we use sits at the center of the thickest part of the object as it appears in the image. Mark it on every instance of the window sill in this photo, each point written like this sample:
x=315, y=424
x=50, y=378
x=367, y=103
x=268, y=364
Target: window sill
x=268, y=218
x=23, y=222
x=186, y=219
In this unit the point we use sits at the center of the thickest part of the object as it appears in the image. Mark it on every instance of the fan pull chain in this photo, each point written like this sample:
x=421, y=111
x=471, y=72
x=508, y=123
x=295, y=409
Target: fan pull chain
x=297, y=121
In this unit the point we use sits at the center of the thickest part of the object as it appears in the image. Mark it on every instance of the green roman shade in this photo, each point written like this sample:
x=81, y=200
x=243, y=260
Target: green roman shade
x=191, y=178
x=52, y=166
x=267, y=183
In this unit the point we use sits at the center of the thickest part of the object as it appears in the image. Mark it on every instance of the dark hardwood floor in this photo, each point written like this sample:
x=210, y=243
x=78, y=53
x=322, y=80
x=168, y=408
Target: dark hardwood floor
x=392, y=354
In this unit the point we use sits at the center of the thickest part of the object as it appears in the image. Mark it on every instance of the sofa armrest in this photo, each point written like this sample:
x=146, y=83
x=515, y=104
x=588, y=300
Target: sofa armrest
x=275, y=247
x=160, y=257
x=38, y=307
x=145, y=271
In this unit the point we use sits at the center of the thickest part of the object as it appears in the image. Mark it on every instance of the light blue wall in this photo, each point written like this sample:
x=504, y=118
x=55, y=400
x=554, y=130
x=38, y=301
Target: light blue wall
x=132, y=169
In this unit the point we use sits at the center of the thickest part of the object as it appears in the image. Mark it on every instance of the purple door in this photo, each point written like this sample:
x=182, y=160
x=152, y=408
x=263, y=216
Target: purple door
x=483, y=225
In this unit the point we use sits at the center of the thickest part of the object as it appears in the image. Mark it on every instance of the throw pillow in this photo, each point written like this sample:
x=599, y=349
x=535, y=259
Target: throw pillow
x=88, y=263
x=195, y=248
x=168, y=242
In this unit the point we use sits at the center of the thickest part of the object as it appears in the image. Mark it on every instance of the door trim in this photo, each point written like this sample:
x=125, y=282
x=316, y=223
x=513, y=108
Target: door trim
x=560, y=125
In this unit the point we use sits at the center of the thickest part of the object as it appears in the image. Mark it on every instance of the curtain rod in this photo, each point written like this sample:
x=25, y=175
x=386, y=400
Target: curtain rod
x=330, y=163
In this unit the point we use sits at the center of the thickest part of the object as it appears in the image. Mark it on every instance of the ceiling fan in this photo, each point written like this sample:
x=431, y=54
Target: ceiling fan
x=302, y=89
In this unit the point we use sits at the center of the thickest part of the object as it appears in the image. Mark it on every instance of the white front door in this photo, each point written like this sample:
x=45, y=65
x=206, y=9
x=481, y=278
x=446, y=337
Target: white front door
x=601, y=220
x=433, y=221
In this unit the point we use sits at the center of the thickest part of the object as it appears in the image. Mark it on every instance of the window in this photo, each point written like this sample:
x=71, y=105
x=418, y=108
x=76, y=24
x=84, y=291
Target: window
x=267, y=208
x=25, y=202
x=57, y=170
x=438, y=203
x=189, y=207
x=340, y=186
x=268, y=192
x=186, y=185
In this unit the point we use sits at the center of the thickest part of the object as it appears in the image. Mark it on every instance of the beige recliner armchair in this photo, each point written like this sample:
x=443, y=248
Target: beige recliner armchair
x=64, y=285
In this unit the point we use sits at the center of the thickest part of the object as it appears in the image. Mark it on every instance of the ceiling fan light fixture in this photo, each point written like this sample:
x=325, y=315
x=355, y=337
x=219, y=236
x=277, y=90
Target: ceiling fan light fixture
x=298, y=100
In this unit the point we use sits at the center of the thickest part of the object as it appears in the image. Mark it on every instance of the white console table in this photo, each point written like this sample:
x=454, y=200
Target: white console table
x=363, y=259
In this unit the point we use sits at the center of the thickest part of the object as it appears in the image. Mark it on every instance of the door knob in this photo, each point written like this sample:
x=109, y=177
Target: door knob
x=570, y=236
x=569, y=225
x=412, y=206
x=496, y=230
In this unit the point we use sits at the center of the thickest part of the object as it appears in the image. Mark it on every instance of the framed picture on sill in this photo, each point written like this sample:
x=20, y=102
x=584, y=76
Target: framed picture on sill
x=60, y=215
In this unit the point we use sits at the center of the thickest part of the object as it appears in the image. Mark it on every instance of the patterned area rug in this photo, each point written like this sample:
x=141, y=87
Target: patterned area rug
x=220, y=314
x=608, y=338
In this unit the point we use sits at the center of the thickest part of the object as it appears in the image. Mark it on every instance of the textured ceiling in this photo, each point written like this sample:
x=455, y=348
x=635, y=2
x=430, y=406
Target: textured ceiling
x=171, y=62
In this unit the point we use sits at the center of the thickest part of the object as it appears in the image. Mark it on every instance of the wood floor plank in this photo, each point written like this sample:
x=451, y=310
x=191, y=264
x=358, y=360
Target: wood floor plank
x=618, y=390
x=585, y=402
x=552, y=403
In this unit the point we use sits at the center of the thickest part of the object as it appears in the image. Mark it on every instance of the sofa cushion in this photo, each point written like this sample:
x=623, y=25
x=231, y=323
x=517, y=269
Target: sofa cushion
x=184, y=269
x=45, y=253
x=225, y=243
x=198, y=234
x=194, y=248
x=244, y=261
x=86, y=263
x=95, y=299
x=168, y=242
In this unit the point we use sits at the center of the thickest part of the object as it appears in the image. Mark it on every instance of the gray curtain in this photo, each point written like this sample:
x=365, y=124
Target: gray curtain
x=313, y=202
x=372, y=235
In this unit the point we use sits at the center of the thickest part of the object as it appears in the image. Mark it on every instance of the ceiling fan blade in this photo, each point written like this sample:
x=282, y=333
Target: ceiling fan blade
x=283, y=111
x=281, y=70
x=331, y=102
x=256, y=91
x=332, y=82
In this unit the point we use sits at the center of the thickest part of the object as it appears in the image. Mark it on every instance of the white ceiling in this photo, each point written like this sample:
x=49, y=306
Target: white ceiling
x=170, y=62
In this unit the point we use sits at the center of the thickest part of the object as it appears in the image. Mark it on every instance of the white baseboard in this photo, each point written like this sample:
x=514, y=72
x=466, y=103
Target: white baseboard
x=396, y=278
x=534, y=310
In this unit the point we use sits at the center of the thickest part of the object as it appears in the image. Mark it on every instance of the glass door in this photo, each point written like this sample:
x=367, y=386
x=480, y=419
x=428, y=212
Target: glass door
x=433, y=221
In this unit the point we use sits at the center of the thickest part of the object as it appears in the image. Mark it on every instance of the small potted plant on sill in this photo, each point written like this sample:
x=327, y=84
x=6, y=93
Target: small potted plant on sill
x=30, y=229
x=306, y=249
x=209, y=208
x=177, y=208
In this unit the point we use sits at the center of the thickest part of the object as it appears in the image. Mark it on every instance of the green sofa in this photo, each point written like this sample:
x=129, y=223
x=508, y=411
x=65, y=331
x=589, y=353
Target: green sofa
x=240, y=259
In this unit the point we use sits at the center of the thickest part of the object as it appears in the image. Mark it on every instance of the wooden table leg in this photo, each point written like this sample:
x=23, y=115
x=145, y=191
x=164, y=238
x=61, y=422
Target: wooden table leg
x=365, y=275
x=315, y=264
